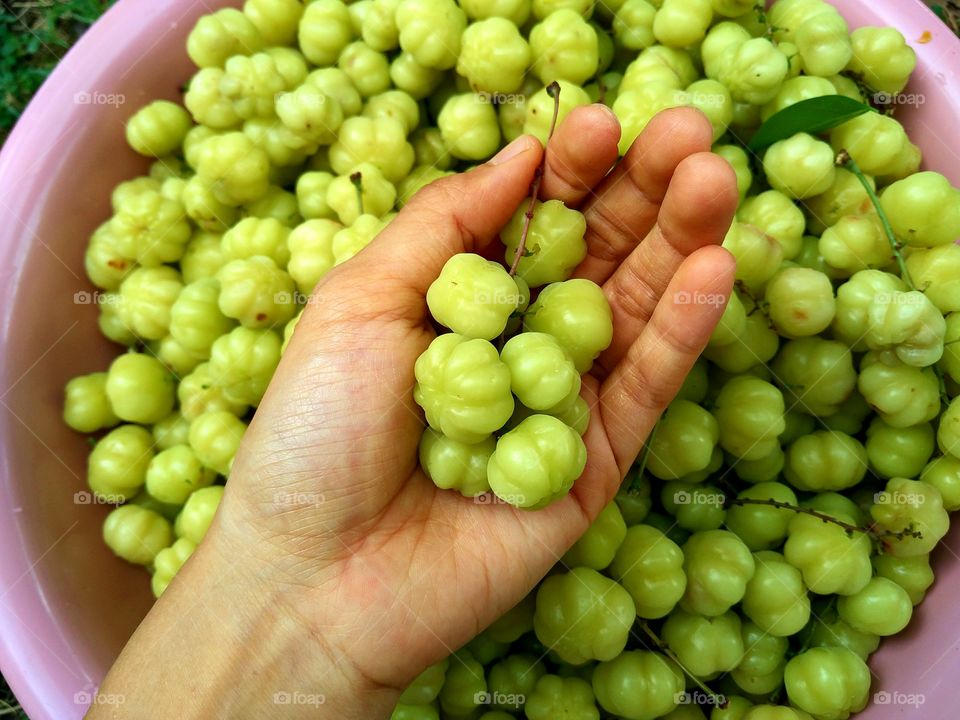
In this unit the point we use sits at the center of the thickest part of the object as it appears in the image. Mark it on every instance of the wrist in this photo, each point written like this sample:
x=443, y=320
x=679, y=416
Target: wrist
x=223, y=636
x=289, y=668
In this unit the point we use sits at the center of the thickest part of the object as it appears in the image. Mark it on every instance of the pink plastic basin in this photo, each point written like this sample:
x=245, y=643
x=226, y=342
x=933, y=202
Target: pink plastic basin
x=66, y=604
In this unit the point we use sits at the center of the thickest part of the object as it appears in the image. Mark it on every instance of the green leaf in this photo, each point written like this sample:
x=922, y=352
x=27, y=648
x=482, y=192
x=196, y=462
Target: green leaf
x=811, y=116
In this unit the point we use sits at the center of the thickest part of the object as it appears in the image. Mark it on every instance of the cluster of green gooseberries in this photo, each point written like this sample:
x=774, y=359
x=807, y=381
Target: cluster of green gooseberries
x=781, y=518
x=528, y=389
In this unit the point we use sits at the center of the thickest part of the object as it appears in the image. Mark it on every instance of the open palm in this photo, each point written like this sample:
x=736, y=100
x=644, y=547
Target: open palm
x=326, y=496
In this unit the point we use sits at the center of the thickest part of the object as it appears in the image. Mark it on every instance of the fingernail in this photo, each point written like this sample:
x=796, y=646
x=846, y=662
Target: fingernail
x=606, y=111
x=516, y=148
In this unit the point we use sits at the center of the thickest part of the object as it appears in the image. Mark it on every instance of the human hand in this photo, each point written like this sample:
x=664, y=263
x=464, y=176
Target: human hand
x=373, y=570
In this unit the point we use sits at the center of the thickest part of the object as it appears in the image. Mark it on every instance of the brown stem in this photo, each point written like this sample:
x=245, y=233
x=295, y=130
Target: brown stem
x=553, y=90
x=761, y=11
x=357, y=180
x=846, y=161
x=758, y=303
x=881, y=537
x=601, y=90
x=804, y=510
x=716, y=700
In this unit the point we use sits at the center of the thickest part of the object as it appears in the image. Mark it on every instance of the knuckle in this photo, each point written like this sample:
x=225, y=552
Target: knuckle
x=436, y=208
x=632, y=294
x=439, y=196
x=676, y=338
x=568, y=184
x=646, y=386
x=645, y=188
x=607, y=238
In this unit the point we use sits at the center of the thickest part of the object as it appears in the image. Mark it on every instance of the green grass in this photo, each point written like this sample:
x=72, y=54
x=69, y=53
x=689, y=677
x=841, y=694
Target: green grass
x=948, y=11
x=9, y=707
x=34, y=35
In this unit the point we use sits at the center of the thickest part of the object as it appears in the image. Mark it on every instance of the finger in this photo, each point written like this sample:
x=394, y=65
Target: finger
x=654, y=367
x=696, y=211
x=626, y=203
x=580, y=154
x=459, y=213
x=601, y=477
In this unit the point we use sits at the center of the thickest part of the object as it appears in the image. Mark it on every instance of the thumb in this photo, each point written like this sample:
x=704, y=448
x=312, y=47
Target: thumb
x=459, y=213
